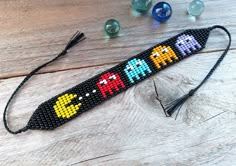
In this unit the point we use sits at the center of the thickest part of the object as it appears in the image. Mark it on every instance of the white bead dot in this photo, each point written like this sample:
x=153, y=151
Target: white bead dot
x=87, y=94
x=94, y=91
x=80, y=98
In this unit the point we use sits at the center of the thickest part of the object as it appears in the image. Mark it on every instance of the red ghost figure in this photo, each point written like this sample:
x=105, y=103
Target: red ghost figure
x=109, y=81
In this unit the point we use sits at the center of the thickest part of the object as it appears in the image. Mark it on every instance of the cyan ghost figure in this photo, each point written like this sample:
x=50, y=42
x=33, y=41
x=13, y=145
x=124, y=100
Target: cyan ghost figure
x=136, y=68
x=186, y=44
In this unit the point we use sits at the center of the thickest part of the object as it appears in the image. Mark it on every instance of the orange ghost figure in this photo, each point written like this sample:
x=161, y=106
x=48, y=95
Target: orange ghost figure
x=162, y=55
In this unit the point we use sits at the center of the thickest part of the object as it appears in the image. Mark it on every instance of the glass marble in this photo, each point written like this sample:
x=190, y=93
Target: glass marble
x=141, y=6
x=162, y=11
x=196, y=8
x=112, y=27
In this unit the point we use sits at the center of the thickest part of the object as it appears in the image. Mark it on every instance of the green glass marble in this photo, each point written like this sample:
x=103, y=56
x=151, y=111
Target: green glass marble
x=141, y=6
x=196, y=7
x=112, y=27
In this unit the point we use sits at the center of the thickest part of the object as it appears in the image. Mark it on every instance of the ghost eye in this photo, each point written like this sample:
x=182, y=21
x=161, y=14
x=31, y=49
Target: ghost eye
x=138, y=63
x=188, y=39
x=103, y=82
x=180, y=43
x=165, y=50
x=130, y=68
x=113, y=77
x=156, y=54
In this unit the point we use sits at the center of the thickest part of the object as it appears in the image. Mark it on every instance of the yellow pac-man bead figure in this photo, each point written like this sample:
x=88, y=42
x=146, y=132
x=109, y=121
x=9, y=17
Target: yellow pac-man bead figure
x=62, y=107
x=162, y=55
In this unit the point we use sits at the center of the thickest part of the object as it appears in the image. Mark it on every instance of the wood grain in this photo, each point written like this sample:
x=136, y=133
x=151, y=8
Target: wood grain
x=130, y=129
x=33, y=33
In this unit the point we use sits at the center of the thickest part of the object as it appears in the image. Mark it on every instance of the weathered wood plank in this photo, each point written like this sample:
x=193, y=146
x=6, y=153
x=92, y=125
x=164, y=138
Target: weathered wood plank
x=130, y=129
x=34, y=32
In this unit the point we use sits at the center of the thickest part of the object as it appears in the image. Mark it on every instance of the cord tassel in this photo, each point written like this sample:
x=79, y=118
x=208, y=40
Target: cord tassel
x=75, y=39
x=177, y=104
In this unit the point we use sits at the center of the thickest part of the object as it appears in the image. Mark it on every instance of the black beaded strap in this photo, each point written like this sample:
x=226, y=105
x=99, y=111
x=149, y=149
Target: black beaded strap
x=86, y=95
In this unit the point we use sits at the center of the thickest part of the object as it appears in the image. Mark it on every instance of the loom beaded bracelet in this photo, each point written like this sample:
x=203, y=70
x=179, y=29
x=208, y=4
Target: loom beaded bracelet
x=86, y=95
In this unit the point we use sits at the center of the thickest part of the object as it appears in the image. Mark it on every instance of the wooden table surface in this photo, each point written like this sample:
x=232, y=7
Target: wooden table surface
x=130, y=129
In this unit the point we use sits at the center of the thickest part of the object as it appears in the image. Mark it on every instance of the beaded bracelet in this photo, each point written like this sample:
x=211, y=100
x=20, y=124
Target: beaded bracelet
x=88, y=94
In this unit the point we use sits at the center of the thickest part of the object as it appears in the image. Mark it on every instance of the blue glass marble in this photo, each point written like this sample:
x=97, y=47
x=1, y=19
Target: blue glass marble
x=196, y=8
x=141, y=6
x=162, y=11
x=112, y=27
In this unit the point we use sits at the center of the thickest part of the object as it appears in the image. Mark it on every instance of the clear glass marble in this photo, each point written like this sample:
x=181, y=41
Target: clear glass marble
x=196, y=8
x=141, y=6
x=112, y=27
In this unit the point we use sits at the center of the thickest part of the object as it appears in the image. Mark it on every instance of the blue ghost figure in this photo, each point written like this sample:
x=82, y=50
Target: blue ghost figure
x=186, y=44
x=135, y=68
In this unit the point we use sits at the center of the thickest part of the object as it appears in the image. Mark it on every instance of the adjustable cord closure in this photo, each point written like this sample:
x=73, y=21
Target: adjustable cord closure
x=75, y=39
x=177, y=104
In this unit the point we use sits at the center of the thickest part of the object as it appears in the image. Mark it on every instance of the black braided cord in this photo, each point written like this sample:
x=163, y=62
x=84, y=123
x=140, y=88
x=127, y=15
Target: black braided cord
x=86, y=95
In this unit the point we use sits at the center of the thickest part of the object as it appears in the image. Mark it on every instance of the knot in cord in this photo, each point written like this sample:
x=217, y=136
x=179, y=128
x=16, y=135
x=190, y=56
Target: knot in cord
x=191, y=92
